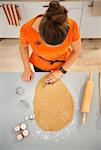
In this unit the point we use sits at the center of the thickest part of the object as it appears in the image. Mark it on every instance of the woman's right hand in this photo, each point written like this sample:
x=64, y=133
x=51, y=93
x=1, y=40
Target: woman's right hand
x=27, y=75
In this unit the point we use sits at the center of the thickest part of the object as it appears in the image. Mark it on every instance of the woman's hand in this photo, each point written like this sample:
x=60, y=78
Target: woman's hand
x=54, y=76
x=27, y=75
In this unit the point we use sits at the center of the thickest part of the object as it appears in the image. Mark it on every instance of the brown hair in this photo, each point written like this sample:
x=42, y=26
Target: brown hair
x=52, y=28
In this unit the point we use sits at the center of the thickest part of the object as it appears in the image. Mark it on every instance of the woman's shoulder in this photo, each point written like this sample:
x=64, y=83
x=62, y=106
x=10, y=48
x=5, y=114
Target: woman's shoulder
x=29, y=23
x=74, y=30
x=72, y=23
x=36, y=22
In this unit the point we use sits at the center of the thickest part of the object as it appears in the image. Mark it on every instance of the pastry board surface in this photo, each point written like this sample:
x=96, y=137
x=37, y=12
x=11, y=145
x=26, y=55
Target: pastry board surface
x=83, y=138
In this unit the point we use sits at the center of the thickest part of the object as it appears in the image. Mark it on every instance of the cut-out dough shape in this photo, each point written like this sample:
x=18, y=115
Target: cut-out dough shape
x=53, y=105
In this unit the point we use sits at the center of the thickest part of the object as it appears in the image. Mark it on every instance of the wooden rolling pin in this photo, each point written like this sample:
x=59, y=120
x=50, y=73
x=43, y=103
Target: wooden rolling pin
x=86, y=101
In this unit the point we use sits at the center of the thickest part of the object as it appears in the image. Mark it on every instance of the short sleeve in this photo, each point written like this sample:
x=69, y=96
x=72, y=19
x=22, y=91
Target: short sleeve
x=76, y=32
x=23, y=35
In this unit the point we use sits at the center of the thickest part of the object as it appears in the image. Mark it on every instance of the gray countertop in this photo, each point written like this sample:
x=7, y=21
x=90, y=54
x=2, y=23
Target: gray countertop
x=83, y=138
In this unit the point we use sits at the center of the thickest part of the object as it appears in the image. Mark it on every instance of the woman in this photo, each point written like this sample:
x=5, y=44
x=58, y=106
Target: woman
x=50, y=36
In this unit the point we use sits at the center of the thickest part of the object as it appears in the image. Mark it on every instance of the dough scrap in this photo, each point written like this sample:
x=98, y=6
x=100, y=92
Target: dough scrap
x=53, y=105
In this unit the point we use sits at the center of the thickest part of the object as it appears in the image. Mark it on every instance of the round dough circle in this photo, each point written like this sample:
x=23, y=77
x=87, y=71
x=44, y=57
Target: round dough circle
x=53, y=105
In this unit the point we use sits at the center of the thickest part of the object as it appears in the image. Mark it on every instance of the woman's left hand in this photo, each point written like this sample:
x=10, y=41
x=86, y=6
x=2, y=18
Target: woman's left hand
x=54, y=76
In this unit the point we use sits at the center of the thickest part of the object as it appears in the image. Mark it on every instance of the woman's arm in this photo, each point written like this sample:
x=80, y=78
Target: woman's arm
x=75, y=54
x=57, y=74
x=24, y=52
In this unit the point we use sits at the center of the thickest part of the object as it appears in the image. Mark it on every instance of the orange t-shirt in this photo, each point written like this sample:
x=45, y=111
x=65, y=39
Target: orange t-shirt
x=42, y=52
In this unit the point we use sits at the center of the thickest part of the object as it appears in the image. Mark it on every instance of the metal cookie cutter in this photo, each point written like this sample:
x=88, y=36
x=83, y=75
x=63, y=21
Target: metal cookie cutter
x=20, y=91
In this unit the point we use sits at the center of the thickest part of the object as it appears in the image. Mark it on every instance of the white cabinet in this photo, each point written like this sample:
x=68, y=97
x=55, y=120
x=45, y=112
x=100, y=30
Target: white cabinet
x=6, y=30
x=76, y=15
x=74, y=10
x=90, y=25
x=34, y=8
x=30, y=9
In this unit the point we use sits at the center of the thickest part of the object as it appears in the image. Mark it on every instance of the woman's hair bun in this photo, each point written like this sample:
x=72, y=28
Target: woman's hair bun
x=53, y=29
x=56, y=12
x=54, y=4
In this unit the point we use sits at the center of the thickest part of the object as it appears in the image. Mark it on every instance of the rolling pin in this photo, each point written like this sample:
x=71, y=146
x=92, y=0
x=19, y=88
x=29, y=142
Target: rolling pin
x=87, y=96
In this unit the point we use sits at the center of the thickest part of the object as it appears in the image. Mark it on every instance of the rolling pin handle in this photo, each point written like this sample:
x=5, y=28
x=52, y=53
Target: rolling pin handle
x=91, y=76
x=84, y=118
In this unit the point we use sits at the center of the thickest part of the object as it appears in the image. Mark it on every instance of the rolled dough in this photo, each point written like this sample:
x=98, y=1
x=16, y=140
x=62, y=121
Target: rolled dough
x=53, y=105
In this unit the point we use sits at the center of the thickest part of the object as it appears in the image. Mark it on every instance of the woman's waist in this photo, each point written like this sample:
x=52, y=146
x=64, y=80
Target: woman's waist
x=53, y=58
x=47, y=64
